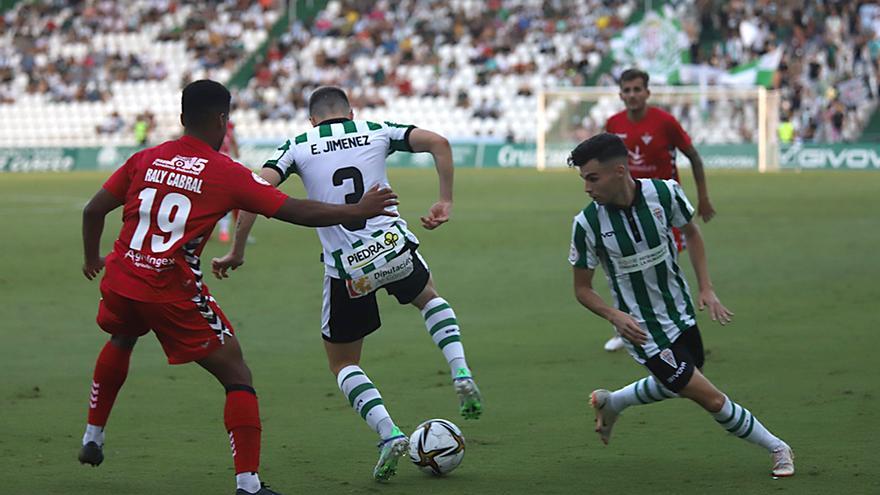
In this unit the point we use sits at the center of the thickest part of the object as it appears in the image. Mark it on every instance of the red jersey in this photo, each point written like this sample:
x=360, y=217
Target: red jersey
x=651, y=142
x=173, y=195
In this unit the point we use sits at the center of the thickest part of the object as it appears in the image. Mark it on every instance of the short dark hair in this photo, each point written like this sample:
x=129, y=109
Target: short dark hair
x=328, y=100
x=631, y=74
x=602, y=147
x=203, y=100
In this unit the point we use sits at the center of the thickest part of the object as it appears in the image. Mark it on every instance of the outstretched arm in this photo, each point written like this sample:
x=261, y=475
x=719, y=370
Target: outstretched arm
x=102, y=203
x=421, y=140
x=590, y=299
x=704, y=206
x=310, y=214
x=696, y=249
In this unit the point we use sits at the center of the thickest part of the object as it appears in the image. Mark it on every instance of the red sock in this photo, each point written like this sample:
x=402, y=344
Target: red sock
x=242, y=418
x=110, y=372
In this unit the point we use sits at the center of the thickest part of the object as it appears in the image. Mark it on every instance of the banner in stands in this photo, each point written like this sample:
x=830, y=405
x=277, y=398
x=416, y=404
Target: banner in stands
x=857, y=156
x=656, y=43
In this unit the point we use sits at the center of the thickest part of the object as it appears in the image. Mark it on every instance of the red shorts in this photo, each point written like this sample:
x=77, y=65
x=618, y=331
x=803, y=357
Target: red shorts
x=187, y=331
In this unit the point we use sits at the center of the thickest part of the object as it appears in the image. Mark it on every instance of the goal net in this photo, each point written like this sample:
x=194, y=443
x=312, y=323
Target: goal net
x=730, y=127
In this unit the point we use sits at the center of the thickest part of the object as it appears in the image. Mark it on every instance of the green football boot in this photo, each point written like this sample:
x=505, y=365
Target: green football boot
x=468, y=395
x=390, y=452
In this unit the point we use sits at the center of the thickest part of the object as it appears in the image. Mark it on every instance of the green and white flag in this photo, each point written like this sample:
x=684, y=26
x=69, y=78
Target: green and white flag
x=757, y=72
x=656, y=44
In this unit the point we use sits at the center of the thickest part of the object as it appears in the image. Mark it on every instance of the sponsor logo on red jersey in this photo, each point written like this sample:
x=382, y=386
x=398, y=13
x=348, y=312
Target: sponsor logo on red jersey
x=185, y=164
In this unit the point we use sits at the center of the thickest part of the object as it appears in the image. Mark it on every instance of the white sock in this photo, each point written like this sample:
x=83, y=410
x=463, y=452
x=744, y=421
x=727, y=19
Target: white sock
x=249, y=482
x=94, y=434
x=645, y=391
x=364, y=397
x=738, y=420
x=443, y=328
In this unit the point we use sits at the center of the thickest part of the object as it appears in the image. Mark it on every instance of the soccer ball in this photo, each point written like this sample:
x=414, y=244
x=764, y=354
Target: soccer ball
x=436, y=446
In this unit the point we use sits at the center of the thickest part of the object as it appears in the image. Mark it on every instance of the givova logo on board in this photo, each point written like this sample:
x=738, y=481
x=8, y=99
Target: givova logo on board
x=854, y=156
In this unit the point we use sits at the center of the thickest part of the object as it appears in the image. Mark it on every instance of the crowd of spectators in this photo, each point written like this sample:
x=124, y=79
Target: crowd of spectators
x=31, y=32
x=435, y=48
x=828, y=75
x=27, y=65
x=385, y=51
x=484, y=59
x=214, y=37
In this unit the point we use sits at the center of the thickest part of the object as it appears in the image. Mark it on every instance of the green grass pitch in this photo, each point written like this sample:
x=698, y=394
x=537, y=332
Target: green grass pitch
x=794, y=255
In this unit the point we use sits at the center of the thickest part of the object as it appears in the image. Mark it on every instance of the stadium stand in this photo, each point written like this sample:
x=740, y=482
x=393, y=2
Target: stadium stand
x=476, y=72
x=66, y=67
x=828, y=76
x=466, y=68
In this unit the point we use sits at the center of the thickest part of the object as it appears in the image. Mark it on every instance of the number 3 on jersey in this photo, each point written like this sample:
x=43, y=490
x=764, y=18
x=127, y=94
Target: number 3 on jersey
x=171, y=219
x=355, y=175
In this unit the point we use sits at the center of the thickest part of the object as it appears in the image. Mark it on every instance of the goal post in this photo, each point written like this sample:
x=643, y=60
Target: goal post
x=732, y=127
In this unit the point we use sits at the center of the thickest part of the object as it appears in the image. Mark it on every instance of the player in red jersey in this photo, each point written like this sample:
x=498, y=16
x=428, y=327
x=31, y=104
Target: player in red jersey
x=230, y=149
x=651, y=137
x=173, y=194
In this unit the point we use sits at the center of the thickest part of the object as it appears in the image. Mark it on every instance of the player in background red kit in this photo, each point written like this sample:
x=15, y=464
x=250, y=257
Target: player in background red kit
x=651, y=137
x=173, y=194
x=230, y=149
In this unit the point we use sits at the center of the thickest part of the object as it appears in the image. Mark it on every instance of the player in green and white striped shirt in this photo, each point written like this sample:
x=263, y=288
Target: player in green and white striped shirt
x=338, y=160
x=628, y=230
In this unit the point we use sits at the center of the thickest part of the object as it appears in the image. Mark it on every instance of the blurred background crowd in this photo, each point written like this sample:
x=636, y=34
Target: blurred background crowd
x=85, y=72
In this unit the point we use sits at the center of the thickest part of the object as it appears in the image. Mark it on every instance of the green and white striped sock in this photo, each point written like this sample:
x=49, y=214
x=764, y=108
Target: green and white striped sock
x=443, y=327
x=365, y=399
x=645, y=391
x=738, y=420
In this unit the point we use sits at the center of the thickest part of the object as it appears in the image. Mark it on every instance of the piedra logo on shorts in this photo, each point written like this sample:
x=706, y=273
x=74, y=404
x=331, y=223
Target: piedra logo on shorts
x=185, y=164
x=370, y=252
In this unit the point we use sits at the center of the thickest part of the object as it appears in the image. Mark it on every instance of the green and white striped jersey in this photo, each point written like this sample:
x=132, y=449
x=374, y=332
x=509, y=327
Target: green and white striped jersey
x=636, y=248
x=338, y=160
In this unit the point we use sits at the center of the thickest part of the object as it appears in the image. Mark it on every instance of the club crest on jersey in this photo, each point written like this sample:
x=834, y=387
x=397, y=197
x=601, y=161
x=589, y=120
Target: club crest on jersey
x=186, y=164
x=573, y=254
x=658, y=213
x=668, y=357
x=647, y=138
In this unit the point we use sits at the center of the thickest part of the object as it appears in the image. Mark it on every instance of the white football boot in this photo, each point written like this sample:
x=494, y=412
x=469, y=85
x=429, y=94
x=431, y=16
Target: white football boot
x=605, y=416
x=614, y=344
x=783, y=461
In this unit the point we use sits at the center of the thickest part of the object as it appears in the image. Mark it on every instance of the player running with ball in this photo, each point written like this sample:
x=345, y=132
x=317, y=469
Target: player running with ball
x=628, y=230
